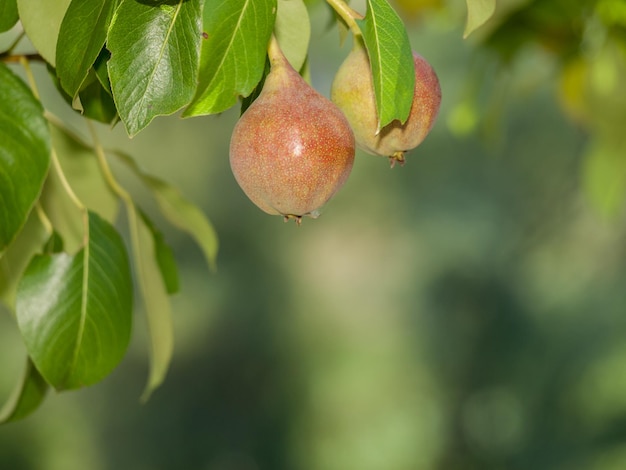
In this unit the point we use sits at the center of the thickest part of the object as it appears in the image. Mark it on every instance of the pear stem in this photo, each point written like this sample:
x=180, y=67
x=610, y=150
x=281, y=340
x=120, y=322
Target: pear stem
x=347, y=14
x=274, y=51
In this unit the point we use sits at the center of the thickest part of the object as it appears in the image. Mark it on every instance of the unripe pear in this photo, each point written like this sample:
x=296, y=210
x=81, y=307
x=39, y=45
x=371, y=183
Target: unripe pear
x=292, y=149
x=353, y=91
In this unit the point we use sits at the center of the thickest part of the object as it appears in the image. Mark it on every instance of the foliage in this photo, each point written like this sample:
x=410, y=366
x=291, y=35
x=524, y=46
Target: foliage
x=583, y=43
x=64, y=267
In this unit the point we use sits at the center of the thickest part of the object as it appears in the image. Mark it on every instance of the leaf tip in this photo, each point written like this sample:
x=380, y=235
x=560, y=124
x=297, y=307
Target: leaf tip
x=478, y=12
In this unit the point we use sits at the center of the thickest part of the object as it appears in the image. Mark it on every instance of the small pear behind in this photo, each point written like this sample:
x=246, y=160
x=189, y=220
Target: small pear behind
x=353, y=92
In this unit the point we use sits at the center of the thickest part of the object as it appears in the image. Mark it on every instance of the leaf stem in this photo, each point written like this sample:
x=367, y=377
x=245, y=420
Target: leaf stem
x=7, y=57
x=274, y=51
x=105, y=168
x=29, y=75
x=66, y=185
x=53, y=155
x=347, y=14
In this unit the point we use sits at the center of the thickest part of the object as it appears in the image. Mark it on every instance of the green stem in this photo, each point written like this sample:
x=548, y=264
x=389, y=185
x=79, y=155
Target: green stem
x=274, y=51
x=29, y=74
x=53, y=156
x=65, y=183
x=106, y=169
x=347, y=14
x=8, y=58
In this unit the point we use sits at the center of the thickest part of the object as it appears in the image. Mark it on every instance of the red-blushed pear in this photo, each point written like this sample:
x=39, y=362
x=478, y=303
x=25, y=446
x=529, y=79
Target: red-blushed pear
x=353, y=91
x=292, y=149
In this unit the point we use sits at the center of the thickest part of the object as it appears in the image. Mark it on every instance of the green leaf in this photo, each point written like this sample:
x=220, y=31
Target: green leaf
x=27, y=396
x=155, y=49
x=81, y=37
x=8, y=14
x=293, y=31
x=74, y=311
x=24, y=154
x=248, y=100
x=179, y=211
x=17, y=256
x=42, y=21
x=391, y=61
x=156, y=301
x=164, y=256
x=96, y=101
x=101, y=70
x=478, y=12
x=233, y=53
x=187, y=217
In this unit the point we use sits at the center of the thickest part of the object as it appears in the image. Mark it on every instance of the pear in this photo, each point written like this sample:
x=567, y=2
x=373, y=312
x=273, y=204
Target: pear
x=353, y=91
x=292, y=149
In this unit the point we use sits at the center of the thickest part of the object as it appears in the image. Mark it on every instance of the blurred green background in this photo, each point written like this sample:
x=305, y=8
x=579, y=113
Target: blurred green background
x=466, y=311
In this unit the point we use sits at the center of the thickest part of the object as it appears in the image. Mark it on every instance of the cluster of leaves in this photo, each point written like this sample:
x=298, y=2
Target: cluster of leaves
x=64, y=268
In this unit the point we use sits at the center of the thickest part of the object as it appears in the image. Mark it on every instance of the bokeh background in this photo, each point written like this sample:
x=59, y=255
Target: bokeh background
x=464, y=312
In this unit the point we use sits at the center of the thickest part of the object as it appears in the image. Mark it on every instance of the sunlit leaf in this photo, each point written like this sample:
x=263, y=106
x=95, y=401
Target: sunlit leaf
x=478, y=12
x=24, y=154
x=74, y=311
x=81, y=37
x=179, y=211
x=156, y=301
x=187, y=217
x=155, y=50
x=27, y=396
x=391, y=61
x=41, y=20
x=233, y=53
x=164, y=256
x=8, y=14
x=293, y=30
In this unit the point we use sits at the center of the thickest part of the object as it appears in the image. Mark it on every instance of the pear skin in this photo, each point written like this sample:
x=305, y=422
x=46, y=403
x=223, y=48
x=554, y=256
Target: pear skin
x=293, y=148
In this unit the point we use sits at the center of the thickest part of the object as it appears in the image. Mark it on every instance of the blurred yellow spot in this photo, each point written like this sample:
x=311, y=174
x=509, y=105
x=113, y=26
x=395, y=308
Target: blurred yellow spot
x=612, y=12
x=463, y=119
x=414, y=8
x=572, y=89
x=604, y=177
x=604, y=77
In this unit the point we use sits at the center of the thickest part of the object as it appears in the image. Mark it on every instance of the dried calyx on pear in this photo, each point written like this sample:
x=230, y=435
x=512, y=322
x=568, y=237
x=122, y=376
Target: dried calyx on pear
x=292, y=149
x=353, y=92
